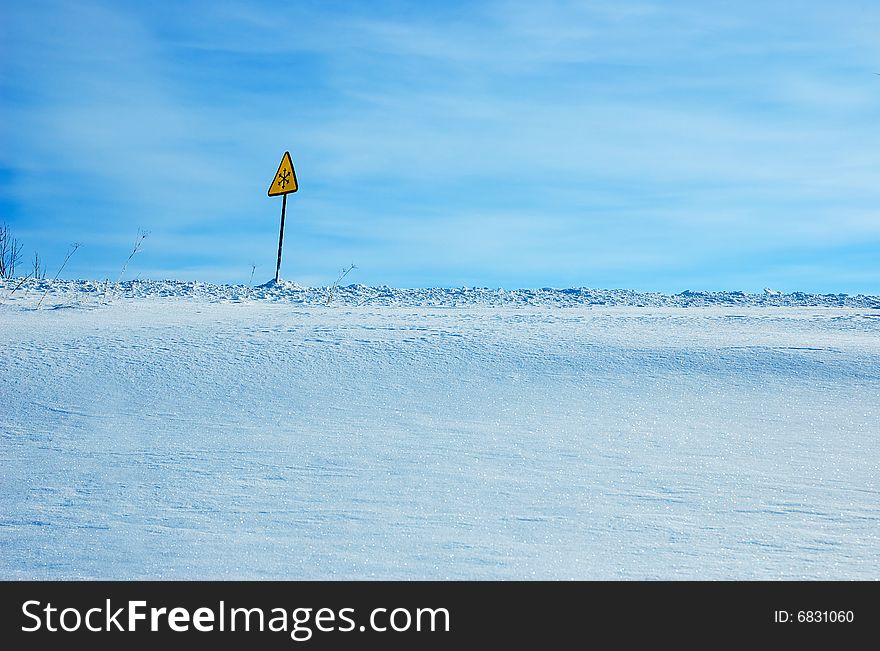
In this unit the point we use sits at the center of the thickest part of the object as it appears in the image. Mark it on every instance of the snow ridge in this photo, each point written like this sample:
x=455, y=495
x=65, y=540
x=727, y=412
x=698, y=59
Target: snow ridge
x=88, y=291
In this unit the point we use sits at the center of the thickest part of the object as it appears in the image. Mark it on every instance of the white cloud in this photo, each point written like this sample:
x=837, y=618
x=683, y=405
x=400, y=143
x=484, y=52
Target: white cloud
x=579, y=137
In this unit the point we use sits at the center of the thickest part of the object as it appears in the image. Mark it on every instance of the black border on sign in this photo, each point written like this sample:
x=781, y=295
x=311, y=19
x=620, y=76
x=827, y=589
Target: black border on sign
x=292, y=169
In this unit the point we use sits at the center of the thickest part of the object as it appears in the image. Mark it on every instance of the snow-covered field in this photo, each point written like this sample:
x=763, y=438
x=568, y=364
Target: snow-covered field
x=180, y=430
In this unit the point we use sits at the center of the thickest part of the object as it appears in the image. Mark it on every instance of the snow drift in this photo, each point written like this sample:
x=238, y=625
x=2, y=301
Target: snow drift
x=182, y=430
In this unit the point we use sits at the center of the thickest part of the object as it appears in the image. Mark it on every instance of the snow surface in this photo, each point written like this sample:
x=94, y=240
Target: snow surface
x=181, y=430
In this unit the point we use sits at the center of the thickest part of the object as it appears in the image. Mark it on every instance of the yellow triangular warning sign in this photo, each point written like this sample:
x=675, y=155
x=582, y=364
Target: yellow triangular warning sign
x=285, y=178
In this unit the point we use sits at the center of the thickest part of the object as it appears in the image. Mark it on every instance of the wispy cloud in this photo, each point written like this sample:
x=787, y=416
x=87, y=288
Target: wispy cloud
x=655, y=145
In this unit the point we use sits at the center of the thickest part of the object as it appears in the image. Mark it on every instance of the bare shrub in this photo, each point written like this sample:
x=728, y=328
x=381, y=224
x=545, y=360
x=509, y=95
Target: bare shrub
x=73, y=248
x=342, y=274
x=39, y=269
x=139, y=240
x=10, y=252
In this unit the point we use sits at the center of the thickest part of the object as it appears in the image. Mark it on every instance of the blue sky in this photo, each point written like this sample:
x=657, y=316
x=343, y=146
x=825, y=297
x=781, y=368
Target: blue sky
x=652, y=145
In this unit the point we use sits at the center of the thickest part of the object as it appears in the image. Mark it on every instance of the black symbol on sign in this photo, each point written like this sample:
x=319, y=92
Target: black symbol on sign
x=284, y=178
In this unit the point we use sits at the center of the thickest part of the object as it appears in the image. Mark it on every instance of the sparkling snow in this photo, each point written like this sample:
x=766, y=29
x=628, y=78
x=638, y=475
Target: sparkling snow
x=182, y=430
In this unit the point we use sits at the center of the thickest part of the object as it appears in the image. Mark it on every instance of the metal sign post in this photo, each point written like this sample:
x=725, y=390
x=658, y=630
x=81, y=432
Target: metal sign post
x=280, y=238
x=284, y=183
